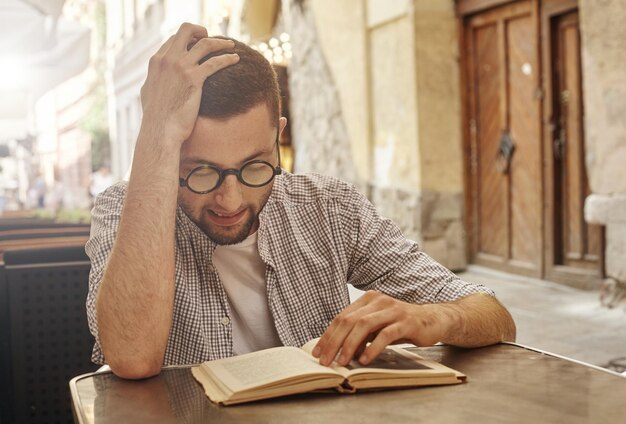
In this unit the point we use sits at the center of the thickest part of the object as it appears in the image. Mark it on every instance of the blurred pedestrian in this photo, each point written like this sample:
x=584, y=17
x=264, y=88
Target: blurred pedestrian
x=100, y=181
x=39, y=190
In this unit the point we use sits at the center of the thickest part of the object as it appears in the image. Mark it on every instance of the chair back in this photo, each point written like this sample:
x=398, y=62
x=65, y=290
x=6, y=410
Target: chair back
x=31, y=223
x=32, y=233
x=45, y=337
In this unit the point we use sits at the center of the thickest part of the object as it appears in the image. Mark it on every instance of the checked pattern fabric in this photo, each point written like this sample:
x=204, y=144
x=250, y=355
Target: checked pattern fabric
x=316, y=235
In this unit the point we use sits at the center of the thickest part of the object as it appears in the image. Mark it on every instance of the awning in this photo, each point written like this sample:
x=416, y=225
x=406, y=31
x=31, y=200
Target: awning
x=39, y=49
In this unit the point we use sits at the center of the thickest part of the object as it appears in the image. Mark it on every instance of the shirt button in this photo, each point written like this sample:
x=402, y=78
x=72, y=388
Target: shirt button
x=225, y=321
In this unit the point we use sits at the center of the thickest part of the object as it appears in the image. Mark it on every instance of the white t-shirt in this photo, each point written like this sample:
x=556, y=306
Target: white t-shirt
x=100, y=182
x=242, y=273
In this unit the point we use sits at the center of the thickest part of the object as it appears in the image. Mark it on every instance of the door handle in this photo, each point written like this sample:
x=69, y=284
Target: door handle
x=559, y=145
x=505, y=151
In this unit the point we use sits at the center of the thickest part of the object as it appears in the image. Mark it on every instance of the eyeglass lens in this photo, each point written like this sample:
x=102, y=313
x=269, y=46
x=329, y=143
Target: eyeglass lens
x=253, y=174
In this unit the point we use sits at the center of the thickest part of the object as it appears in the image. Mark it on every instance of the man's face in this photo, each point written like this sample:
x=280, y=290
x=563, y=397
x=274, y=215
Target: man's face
x=229, y=213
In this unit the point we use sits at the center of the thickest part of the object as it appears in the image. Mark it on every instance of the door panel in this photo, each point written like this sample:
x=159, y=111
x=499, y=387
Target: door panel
x=491, y=186
x=506, y=199
x=527, y=216
x=524, y=124
x=577, y=244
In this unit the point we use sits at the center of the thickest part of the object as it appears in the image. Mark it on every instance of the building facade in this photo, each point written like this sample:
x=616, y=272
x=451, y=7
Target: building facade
x=48, y=80
x=481, y=127
x=135, y=31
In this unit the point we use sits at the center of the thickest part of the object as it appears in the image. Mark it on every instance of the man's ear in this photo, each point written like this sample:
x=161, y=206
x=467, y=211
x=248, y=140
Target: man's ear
x=282, y=123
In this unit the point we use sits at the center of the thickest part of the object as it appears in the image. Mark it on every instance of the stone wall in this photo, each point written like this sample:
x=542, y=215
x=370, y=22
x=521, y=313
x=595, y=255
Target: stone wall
x=604, y=79
x=610, y=210
x=439, y=132
x=394, y=114
x=320, y=138
x=438, y=96
x=402, y=206
x=443, y=230
x=376, y=103
x=342, y=38
x=433, y=219
x=416, y=139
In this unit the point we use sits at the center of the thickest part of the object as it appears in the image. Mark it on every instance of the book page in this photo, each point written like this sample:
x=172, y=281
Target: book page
x=395, y=362
x=265, y=367
x=308, y=348
x=390, y=359
x=310, y=345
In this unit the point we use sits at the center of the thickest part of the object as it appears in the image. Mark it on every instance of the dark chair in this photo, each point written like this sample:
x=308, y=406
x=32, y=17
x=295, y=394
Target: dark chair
x=5, y=352
x=18, y=223
x=45, y=340
x=30, y=223
x=47, y=243
x=32, y=233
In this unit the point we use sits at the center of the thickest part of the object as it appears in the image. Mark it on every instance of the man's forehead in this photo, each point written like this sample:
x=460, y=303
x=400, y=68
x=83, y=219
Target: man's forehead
x=227, y=153
x=190, y=159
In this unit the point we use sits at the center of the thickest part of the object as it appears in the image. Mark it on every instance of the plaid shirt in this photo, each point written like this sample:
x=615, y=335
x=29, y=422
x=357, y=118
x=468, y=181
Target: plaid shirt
x=316, y=234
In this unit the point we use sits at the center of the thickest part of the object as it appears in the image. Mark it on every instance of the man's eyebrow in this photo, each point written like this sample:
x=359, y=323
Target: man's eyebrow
x=200, y=161
x=256, y=155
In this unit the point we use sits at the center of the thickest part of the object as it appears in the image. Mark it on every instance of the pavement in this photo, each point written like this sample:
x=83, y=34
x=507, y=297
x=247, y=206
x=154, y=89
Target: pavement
x=560, y=319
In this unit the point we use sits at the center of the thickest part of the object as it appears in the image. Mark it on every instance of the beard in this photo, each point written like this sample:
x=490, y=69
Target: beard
x=228, y=235
x=225, y=235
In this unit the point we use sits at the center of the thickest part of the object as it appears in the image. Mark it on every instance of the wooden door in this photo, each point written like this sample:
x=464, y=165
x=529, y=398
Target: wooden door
x=504, y=193
x=574, y=248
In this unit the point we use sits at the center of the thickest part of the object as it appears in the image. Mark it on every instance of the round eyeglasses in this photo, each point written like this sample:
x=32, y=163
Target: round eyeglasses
x=206, y=178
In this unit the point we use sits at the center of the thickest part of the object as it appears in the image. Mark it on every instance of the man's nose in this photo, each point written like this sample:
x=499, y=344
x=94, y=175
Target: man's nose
x=228, y=195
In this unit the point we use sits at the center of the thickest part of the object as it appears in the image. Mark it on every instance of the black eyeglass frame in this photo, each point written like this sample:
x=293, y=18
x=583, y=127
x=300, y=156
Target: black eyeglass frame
x=223, y=173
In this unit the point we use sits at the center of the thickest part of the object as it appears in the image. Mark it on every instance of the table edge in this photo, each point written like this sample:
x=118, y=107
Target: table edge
x=556, y=355
x=79, y=414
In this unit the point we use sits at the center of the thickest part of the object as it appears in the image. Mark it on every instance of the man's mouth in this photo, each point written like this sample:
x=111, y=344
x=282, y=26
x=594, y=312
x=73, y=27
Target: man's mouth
x=226, y=219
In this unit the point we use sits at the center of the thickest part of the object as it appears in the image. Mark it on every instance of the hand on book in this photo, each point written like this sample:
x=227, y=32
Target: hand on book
x=381, y=320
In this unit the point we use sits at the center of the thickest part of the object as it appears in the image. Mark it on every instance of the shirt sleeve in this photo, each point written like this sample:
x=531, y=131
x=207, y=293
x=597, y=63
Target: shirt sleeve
x=382, y=259
x=105, y=218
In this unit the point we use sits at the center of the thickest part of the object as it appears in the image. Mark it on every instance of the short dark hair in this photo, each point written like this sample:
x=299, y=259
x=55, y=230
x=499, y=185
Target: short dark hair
x=238, y=88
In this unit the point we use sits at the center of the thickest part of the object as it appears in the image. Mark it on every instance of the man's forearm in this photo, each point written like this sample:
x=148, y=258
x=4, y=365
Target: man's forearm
x=136, y=295
x=476, y=320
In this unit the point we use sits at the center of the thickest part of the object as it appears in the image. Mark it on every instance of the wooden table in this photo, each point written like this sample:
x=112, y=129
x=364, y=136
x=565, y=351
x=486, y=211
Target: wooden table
x=507, y=383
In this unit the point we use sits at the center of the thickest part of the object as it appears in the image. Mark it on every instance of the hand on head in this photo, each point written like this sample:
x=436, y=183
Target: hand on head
x=170, y=96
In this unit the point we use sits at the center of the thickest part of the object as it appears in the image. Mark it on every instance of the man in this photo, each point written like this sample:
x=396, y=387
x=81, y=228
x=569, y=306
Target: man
x=210, y=250
x=100, y=181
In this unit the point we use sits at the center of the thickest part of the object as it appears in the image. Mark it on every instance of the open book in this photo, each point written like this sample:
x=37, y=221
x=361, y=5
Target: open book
x=286, y=370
